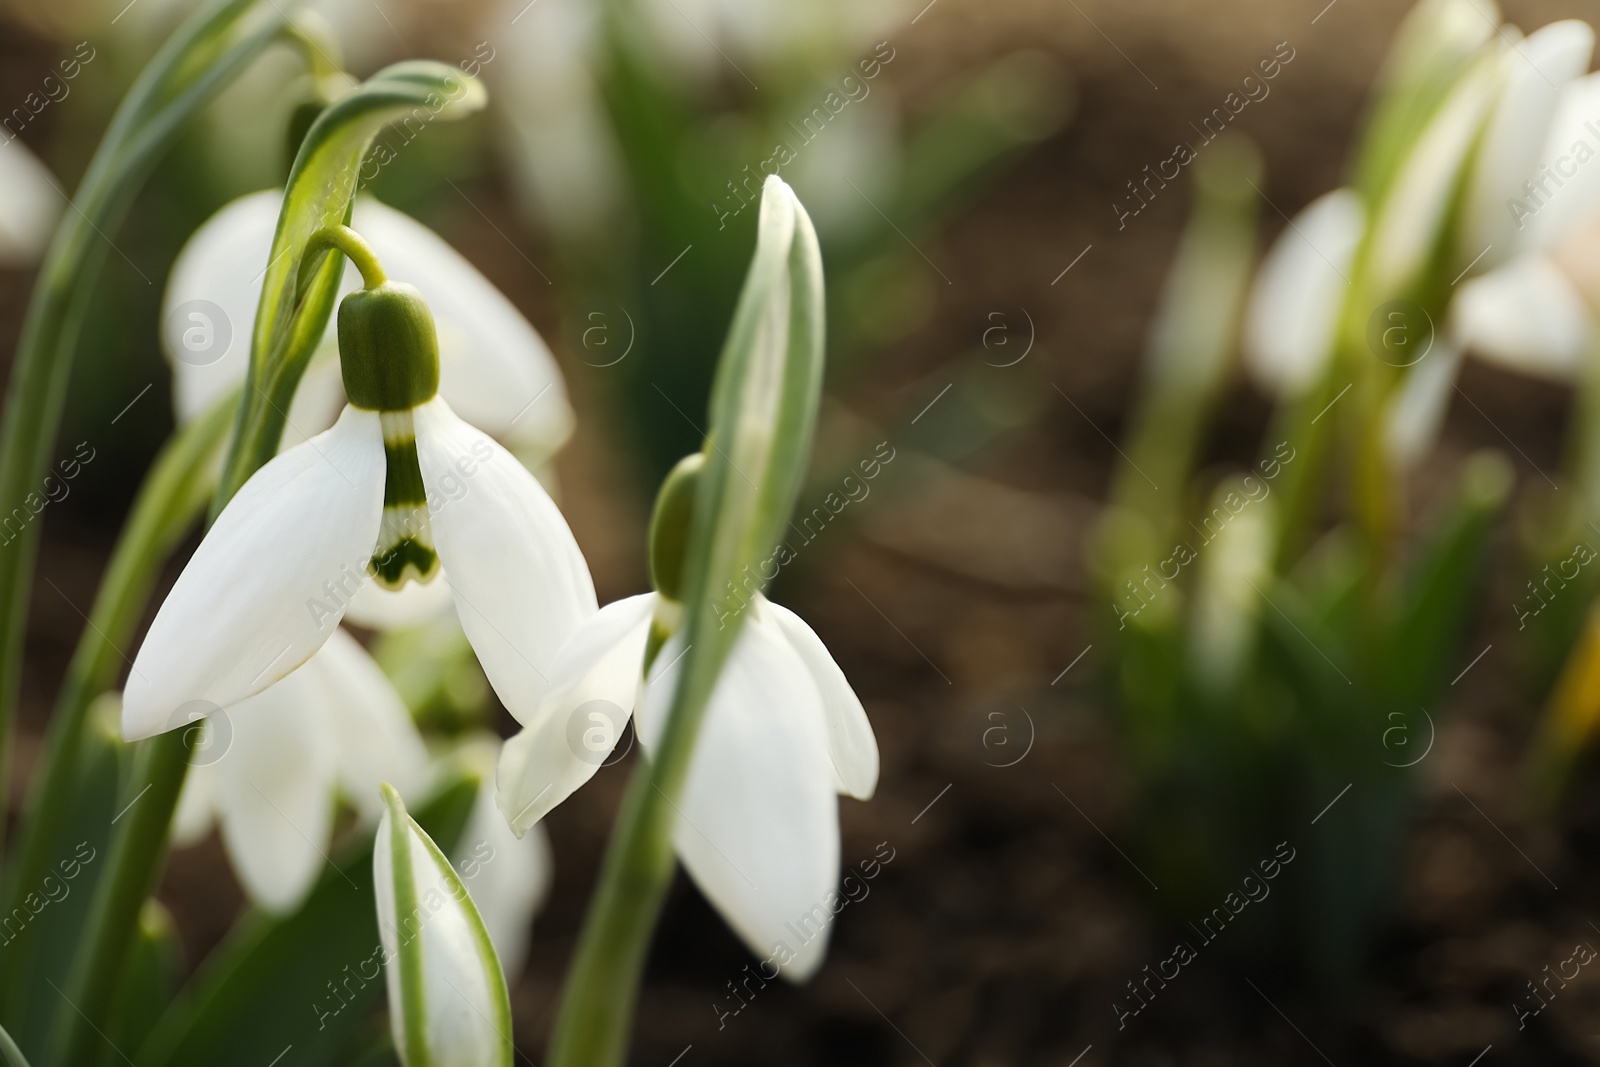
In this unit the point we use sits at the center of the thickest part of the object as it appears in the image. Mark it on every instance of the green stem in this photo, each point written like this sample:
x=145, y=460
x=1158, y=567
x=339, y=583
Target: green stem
x=172, y=498
x=133, y=867
x=594, y=1023
x=205, y=54
x=352, y=244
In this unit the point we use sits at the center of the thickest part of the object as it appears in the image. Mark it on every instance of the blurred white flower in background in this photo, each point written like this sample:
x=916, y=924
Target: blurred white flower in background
x=30, y=204
x=1494, y=138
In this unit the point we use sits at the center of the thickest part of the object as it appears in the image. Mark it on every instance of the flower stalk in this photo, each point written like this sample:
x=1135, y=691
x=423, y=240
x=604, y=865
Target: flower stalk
x=763, y=413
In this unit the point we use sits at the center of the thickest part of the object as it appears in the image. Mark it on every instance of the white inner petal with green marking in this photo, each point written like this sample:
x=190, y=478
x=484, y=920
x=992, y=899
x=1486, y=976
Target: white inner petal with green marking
x=404, y=552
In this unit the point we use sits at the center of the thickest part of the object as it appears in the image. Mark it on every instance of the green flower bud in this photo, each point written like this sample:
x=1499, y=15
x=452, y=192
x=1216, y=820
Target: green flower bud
x=670, y=524
x=388, y=348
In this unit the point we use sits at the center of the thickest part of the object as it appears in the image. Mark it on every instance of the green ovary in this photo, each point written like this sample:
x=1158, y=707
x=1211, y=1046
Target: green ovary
x=404, y=552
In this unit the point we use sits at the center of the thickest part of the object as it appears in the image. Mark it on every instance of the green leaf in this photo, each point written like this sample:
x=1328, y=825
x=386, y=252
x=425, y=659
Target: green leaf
x=299, y=980
x=205, y=53
x=1433, y=48
x=297, y=294
x=65, y=801
x=1435, y=601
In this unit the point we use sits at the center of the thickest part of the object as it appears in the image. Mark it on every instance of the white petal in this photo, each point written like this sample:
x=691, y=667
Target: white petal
x=1526, y=317
x=193, y=818
x=758, y=822
x=375, y=738
x=467, y=1021
x=1536, y=71
x=245, y=611
x=1299, y=293
x=1407, y=230
x=521, y=585
x=507, y=877
x=852, y=746
x=1564, y=197
x=222, y=264
x=593, y=684
x=495, y=370
x=275, y=789
x=30, y=204
x=1417, y=410
x=378, y=608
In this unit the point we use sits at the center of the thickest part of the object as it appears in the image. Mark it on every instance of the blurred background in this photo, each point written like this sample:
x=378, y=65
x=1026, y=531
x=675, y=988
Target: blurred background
x=992, y=300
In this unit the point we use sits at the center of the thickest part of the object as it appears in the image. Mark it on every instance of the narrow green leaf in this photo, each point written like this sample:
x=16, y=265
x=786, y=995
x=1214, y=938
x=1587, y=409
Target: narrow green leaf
x=205, y=54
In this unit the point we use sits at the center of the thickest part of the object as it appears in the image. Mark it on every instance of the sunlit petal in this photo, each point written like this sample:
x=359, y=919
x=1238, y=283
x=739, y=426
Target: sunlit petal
x=261, y=593
x=521, y=585
x=1299, y=293
x=852, y=746
x=593, y=684
x=1525, y=316
x=758, y=822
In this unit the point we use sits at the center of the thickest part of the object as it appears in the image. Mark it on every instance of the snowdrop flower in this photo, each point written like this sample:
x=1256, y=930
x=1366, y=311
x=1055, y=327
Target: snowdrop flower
x=495, y=370
x=397, y=489
x=448, y=1005
x=1300, y=294
x=1530, y=315
x=268, y=773
x=30, y=203
x=783, y=735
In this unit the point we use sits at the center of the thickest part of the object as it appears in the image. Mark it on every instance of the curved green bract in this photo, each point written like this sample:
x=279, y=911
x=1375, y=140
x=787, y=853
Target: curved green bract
x=297, y=296
x=763, y=413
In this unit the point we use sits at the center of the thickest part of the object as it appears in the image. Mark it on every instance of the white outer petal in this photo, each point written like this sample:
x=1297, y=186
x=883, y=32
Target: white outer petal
x=275, y=789
x=758, y=822
x=378, y=608
x=1526, y=317
x=507, y=877
x=1418, y=406
x=1299, y=293
x=223, y=262
x=374, y=736
x=238, y=618
x=1407, y=228
x=521, y=585
x=1555, y=212
x=547, y=762
x=1536, y=71
x=30, y=204
x=494, y=368
x=852, y=746
x=194, y=816
x=456, y=991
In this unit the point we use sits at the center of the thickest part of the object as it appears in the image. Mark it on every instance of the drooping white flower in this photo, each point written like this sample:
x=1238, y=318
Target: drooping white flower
x=1531, y=314
x=270, y=770
x=30, y=204
x=1522, y=314
x=1299, y=294
x=495, y=369
x=399, y=487
x=448, y=1005
x=784, y=734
